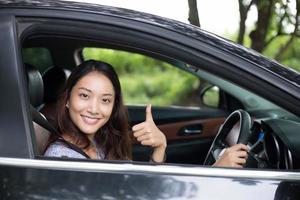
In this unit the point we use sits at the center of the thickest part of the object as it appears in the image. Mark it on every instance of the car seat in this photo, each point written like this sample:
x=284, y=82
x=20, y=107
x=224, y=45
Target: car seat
x=43, y=129
x=54, y=80
x=35, y=85
x=36, y=90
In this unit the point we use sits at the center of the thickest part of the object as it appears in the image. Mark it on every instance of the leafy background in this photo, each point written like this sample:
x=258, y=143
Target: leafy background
x=275, y=34
x=146, y=80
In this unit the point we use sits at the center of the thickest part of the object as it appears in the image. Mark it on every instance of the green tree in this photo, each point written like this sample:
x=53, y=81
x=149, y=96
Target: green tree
x=276, y=32
x=146, y=80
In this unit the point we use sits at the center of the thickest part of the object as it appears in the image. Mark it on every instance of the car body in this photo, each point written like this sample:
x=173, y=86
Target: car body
x=246, y=80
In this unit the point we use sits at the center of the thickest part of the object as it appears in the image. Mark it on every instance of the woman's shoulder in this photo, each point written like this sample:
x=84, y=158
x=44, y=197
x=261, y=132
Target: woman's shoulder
x=58, y=149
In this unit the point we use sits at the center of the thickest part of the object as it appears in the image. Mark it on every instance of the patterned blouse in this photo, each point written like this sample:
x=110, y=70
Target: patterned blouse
x=59, y=149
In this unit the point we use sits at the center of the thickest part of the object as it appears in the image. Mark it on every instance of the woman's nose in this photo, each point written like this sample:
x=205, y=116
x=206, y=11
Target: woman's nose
x=94, y=107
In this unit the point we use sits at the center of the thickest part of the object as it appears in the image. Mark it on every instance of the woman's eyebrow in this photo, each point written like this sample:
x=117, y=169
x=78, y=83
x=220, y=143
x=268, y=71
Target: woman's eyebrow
x=108, y=94
x=83, y=88
x=88, y=90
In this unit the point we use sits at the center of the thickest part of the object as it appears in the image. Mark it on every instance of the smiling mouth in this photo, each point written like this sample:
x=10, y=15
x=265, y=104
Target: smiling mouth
x=90, y=120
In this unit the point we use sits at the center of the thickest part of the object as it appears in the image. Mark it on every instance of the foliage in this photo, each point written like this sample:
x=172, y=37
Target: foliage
x=276, y=33
x=146, y=80
x=211, y=97
x=290, y=56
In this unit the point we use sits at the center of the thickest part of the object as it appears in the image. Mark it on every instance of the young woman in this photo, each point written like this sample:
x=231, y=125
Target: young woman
x=93, y=118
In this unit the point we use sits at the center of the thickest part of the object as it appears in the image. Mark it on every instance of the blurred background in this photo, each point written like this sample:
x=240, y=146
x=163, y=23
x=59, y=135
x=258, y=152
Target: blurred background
x=271, y=27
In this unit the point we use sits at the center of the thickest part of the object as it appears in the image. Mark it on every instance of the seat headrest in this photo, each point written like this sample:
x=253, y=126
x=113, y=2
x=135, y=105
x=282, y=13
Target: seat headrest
x=35, y=85
x=54, y=81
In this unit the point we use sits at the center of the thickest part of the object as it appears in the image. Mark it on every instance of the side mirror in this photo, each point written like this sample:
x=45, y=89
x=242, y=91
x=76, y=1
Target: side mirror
x=210, y=96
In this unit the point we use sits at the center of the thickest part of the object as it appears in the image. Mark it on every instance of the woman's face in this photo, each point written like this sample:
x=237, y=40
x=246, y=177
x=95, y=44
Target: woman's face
x=91, y=102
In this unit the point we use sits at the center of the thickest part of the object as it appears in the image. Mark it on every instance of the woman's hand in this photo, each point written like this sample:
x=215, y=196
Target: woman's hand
x=234, y=156
x=148, y=134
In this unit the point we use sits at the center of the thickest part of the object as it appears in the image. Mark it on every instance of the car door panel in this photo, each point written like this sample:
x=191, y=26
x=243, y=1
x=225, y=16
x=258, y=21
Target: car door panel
x=190, y=147
x=189, y=132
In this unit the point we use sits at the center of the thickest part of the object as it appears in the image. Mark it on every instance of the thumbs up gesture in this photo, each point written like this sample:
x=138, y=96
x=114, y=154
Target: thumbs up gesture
x=147, y=132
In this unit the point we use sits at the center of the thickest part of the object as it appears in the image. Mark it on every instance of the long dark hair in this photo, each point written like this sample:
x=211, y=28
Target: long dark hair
x=113, y=137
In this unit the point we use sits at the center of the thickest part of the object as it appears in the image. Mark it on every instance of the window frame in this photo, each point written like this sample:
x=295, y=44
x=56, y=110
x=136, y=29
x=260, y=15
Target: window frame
x=168, y=47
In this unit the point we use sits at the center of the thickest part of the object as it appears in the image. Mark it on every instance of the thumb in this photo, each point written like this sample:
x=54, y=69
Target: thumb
x=149, y=113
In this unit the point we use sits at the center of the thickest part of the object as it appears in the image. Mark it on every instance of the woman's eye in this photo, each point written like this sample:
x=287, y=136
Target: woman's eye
x=106, y=100
x=84, y=96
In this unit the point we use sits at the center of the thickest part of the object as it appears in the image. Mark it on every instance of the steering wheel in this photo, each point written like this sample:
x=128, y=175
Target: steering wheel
x=238, y=117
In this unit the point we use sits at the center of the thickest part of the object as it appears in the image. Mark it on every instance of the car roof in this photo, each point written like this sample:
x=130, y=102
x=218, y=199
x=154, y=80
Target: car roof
x=240, y=51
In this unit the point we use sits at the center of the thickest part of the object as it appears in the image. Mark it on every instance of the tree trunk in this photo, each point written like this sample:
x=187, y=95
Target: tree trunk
x=193, y=13
x=243, y=17
x=244, y=9
x=258, y=36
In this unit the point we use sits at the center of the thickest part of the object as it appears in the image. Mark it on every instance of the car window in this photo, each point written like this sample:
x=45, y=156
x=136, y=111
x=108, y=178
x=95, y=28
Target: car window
x=163, y=79
x=38, y=57
x=145, y=79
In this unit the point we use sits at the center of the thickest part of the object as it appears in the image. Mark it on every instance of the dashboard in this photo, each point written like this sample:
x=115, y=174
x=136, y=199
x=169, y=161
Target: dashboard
x=274, y=144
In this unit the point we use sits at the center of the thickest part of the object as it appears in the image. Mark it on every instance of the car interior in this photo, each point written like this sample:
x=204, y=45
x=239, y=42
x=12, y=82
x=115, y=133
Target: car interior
x=195, y=131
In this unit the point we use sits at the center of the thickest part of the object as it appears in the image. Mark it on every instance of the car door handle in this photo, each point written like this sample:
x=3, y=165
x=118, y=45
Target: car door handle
x=194, y=129
x=192, y=132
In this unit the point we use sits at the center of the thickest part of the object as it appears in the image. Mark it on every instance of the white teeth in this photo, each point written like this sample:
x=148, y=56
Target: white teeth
x=90, y=120
x=90, y=117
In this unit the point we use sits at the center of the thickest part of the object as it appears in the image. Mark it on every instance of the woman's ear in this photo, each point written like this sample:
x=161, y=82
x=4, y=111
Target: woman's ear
x=67, y=104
